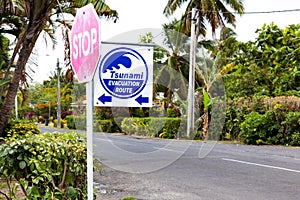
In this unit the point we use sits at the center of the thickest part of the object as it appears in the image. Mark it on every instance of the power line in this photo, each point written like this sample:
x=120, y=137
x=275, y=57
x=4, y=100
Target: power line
x=254, y=12
x=273, y=11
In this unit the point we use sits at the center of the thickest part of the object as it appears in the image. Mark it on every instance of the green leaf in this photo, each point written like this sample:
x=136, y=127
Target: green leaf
x=4, y=82
x=72, y=193
x=22, y=164
x=20, y=157
x=206, y=99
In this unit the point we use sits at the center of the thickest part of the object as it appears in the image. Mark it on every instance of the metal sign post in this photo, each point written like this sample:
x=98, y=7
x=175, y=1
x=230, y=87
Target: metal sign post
x=85, y=53
x=191, y=89
x=89, y=135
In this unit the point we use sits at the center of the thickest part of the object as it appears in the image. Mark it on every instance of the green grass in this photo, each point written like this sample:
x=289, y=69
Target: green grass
x=129, y=198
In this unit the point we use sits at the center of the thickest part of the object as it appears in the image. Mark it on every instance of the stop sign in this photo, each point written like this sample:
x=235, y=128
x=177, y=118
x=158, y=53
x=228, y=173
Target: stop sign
x=85, y=43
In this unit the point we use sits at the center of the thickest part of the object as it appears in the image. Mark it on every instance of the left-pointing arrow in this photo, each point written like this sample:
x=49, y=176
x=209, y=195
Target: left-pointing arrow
x=104, y=98
x=142, y=100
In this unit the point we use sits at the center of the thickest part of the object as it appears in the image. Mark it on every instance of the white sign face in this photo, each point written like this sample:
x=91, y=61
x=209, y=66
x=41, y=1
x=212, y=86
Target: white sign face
x=124, y=77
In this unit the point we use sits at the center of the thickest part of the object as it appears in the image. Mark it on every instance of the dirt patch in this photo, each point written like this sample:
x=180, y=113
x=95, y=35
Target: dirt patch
x=114, y=185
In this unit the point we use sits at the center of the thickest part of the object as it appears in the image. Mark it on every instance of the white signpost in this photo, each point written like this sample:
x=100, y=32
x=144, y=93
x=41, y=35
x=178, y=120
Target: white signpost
x=124, y=77
x=85, y=53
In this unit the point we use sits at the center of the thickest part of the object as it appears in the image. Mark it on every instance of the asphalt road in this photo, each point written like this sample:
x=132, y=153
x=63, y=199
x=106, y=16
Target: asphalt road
x=156, y=169
x=170, y=169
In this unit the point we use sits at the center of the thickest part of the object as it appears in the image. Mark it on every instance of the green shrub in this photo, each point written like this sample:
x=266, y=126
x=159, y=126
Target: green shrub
x=235, y=115
x=292, y=122
x=45, y=166
x=261, y=129
x=171, y=128
x=116, y=124
x=173, y=112
x=21, y=127
x=139, y=126
x=295, y=139
x=76, y=122
x=253, y=129
x=137, y=112
x=62, y=123
x=105, y=125
x=153, y=127
x=70, y=122
x=280, y=106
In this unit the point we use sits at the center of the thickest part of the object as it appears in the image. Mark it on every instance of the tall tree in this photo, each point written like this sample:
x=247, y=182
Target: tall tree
x=267, y=66
x=214, y=12
x=34, y=16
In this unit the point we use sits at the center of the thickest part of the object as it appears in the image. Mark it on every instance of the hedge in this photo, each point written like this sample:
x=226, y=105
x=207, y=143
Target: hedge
x=153, y=127
x=44, y=166
x=271, y=128
x=263, y=120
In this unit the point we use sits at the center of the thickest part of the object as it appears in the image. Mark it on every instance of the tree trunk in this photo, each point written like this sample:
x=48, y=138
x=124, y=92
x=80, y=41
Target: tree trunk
x=205, y=124
x=31, y=34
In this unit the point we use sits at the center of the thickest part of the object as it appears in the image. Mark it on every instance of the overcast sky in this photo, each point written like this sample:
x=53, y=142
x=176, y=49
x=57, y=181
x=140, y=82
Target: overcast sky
x=140, y=14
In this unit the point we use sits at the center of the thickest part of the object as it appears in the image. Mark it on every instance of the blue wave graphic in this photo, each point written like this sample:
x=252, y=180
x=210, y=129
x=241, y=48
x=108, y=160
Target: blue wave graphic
x=117, y=59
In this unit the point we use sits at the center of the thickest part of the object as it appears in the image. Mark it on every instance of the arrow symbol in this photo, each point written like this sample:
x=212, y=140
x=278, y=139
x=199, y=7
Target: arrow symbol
x=142, y=99
x=105, y=99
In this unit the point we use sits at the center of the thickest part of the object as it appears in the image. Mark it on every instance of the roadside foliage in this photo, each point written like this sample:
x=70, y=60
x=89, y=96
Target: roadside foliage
x=44, y=166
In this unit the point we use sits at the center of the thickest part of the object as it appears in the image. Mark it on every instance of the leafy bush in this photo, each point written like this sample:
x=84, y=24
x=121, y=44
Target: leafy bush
x=153, y=127
x=295, y=139
x=70, y=122
x=104, y=126
x=76, y=122
x=238, y=109
x=45, y=166
x=292, y=127
x=292, y=122
x=258, y=128
x=138, y=126
x=23, y=129
x=20, y=127
x=235, y=115
x=173, y=112
x=137, y=112
x=171, y=128
x=62, y=123
x=272, y=127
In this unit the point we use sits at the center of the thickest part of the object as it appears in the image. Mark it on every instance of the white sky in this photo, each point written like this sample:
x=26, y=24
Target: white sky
x=140, y=14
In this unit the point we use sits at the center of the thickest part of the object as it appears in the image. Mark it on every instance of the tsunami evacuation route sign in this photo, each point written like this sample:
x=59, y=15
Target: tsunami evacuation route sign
x=124, y=78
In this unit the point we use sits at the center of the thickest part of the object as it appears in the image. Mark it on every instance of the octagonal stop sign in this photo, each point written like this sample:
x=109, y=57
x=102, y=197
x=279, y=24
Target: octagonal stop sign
x=85, y=43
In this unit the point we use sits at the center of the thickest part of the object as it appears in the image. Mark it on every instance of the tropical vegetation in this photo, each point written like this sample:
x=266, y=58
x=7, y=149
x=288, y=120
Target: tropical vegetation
x=244, y=91
x=26, y=21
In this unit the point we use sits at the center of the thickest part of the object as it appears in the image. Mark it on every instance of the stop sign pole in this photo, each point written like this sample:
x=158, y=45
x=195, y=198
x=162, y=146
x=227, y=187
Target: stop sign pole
x=85, y=53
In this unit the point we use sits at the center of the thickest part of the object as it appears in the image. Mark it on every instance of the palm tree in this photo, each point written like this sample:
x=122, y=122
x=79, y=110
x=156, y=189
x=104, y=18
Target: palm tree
x=32, y=17
x=172, y=73
x=214, y=12
x=4, y=59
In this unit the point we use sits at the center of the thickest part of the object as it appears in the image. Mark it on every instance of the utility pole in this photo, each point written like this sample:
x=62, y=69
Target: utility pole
x=58, y=95
x=191, y=88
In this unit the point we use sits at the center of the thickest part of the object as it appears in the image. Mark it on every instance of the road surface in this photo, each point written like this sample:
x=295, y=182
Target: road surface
x=155, y=169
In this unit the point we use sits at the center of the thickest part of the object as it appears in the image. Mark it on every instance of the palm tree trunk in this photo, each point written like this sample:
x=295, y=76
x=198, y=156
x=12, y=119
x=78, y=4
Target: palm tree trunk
x=31, y=35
